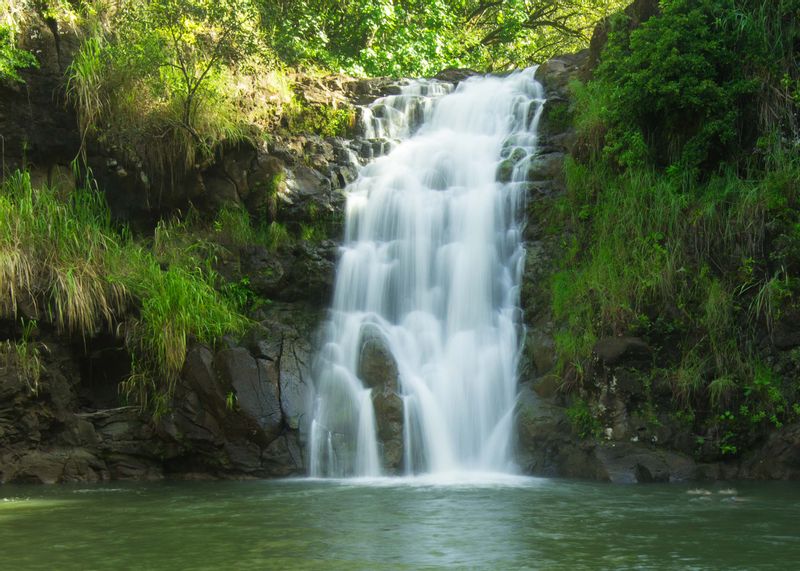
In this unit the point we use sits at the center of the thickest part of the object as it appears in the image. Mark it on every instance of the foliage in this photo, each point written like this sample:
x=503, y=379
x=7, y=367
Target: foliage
x=12, y=59
x=323, y=120
x=419, y=37
x=682, y=207
x=188, y=42
x=61, y=257
x=24, y=355
x=169, y=80
x=677, y=89
x=582, y=419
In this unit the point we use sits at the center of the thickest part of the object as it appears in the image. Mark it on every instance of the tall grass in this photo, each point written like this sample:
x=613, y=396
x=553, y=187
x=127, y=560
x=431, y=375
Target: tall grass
x=86, y=79
x=698, y=262
x=177, y=305
x=53, y=257
x=771, y=31
x=62, y=259
x=232, y=225
x=141, y=115
x=24, y=355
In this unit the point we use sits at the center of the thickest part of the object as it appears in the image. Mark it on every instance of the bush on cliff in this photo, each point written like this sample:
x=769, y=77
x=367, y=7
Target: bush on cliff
x=12, y=59
x=160, y=80
x=684, y=205
x=62, y=262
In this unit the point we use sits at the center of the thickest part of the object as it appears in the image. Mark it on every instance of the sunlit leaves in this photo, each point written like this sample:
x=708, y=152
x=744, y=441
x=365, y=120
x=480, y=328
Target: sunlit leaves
x=12, y=59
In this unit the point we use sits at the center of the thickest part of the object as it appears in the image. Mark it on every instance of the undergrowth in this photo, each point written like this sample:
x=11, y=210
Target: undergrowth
x=61, y=259
x=683, y=207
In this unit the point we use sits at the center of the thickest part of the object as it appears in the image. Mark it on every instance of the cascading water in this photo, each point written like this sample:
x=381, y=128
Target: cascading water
x=429, y=282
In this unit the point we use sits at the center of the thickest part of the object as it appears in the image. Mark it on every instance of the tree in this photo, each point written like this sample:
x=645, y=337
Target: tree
x=403, y=37
x=185, y=42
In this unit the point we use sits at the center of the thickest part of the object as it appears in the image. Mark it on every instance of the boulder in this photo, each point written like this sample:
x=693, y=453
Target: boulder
x=295, y=377
x=556, y=73
x=455, y=75
x=377, y=368
x=283, y=457
x=541, y=348
x=546, y=445
x=614, y=350
x=255, y=384
x=53, y=466
x=778, y=458
x=547, y=167
x=628, y=463
x=263, y=343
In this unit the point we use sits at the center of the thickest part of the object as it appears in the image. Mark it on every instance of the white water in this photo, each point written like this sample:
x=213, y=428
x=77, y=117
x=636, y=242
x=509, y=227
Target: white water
x=431, y=263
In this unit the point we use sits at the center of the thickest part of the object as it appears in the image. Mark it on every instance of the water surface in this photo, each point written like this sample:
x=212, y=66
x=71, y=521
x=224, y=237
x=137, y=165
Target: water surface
x=503, y=523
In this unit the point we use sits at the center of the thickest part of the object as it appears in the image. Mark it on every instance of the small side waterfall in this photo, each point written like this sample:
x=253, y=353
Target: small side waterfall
x=418, y=371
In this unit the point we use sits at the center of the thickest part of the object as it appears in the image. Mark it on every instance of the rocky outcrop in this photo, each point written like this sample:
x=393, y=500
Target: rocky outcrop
x=550, y=446
x=377, y=368
x=239, y=411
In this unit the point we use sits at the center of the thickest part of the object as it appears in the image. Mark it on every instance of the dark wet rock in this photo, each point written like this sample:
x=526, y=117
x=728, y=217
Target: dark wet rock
x=263, y=343
x=255, y=385
x=52, y=466
x=365, y=91
x=37, y=127
x=303, y=272
x=389, y=420
x=556, y=73
x=455, y=75
x=295, y=384
x=284, y=457
x=541, y=347
x=547, y=167
x=786, y=334
x=613, y=350
x=628, y=463
x=377, y=368
x=130, y=467
x=311, y=274
x=546, y=444
x=505, y=171
x=777, y=459
x=263, y=269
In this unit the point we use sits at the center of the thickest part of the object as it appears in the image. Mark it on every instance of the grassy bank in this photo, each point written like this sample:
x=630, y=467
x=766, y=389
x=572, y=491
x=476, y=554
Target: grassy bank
x=63, y=262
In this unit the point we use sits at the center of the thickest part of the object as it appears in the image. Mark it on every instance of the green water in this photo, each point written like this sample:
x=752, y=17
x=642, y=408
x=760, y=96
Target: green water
x=511, y=524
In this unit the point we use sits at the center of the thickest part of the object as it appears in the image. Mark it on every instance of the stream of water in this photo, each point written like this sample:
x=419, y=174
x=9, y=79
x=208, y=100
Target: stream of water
x=430, y=267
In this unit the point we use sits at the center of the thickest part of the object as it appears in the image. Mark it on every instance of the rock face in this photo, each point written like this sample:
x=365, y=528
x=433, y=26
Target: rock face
x=237, y=412
x=37, y=128
x=240, y=409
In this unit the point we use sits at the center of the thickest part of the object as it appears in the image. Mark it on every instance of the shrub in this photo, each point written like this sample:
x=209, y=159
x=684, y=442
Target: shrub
x=12, y=59
x=61, y=258
x=682, y=200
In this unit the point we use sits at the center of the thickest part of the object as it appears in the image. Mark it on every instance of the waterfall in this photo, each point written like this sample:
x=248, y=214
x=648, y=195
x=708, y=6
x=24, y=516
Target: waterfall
x=417, y=372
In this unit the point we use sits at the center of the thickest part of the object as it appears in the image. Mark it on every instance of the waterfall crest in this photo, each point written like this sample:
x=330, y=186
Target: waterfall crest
x=417, y=373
